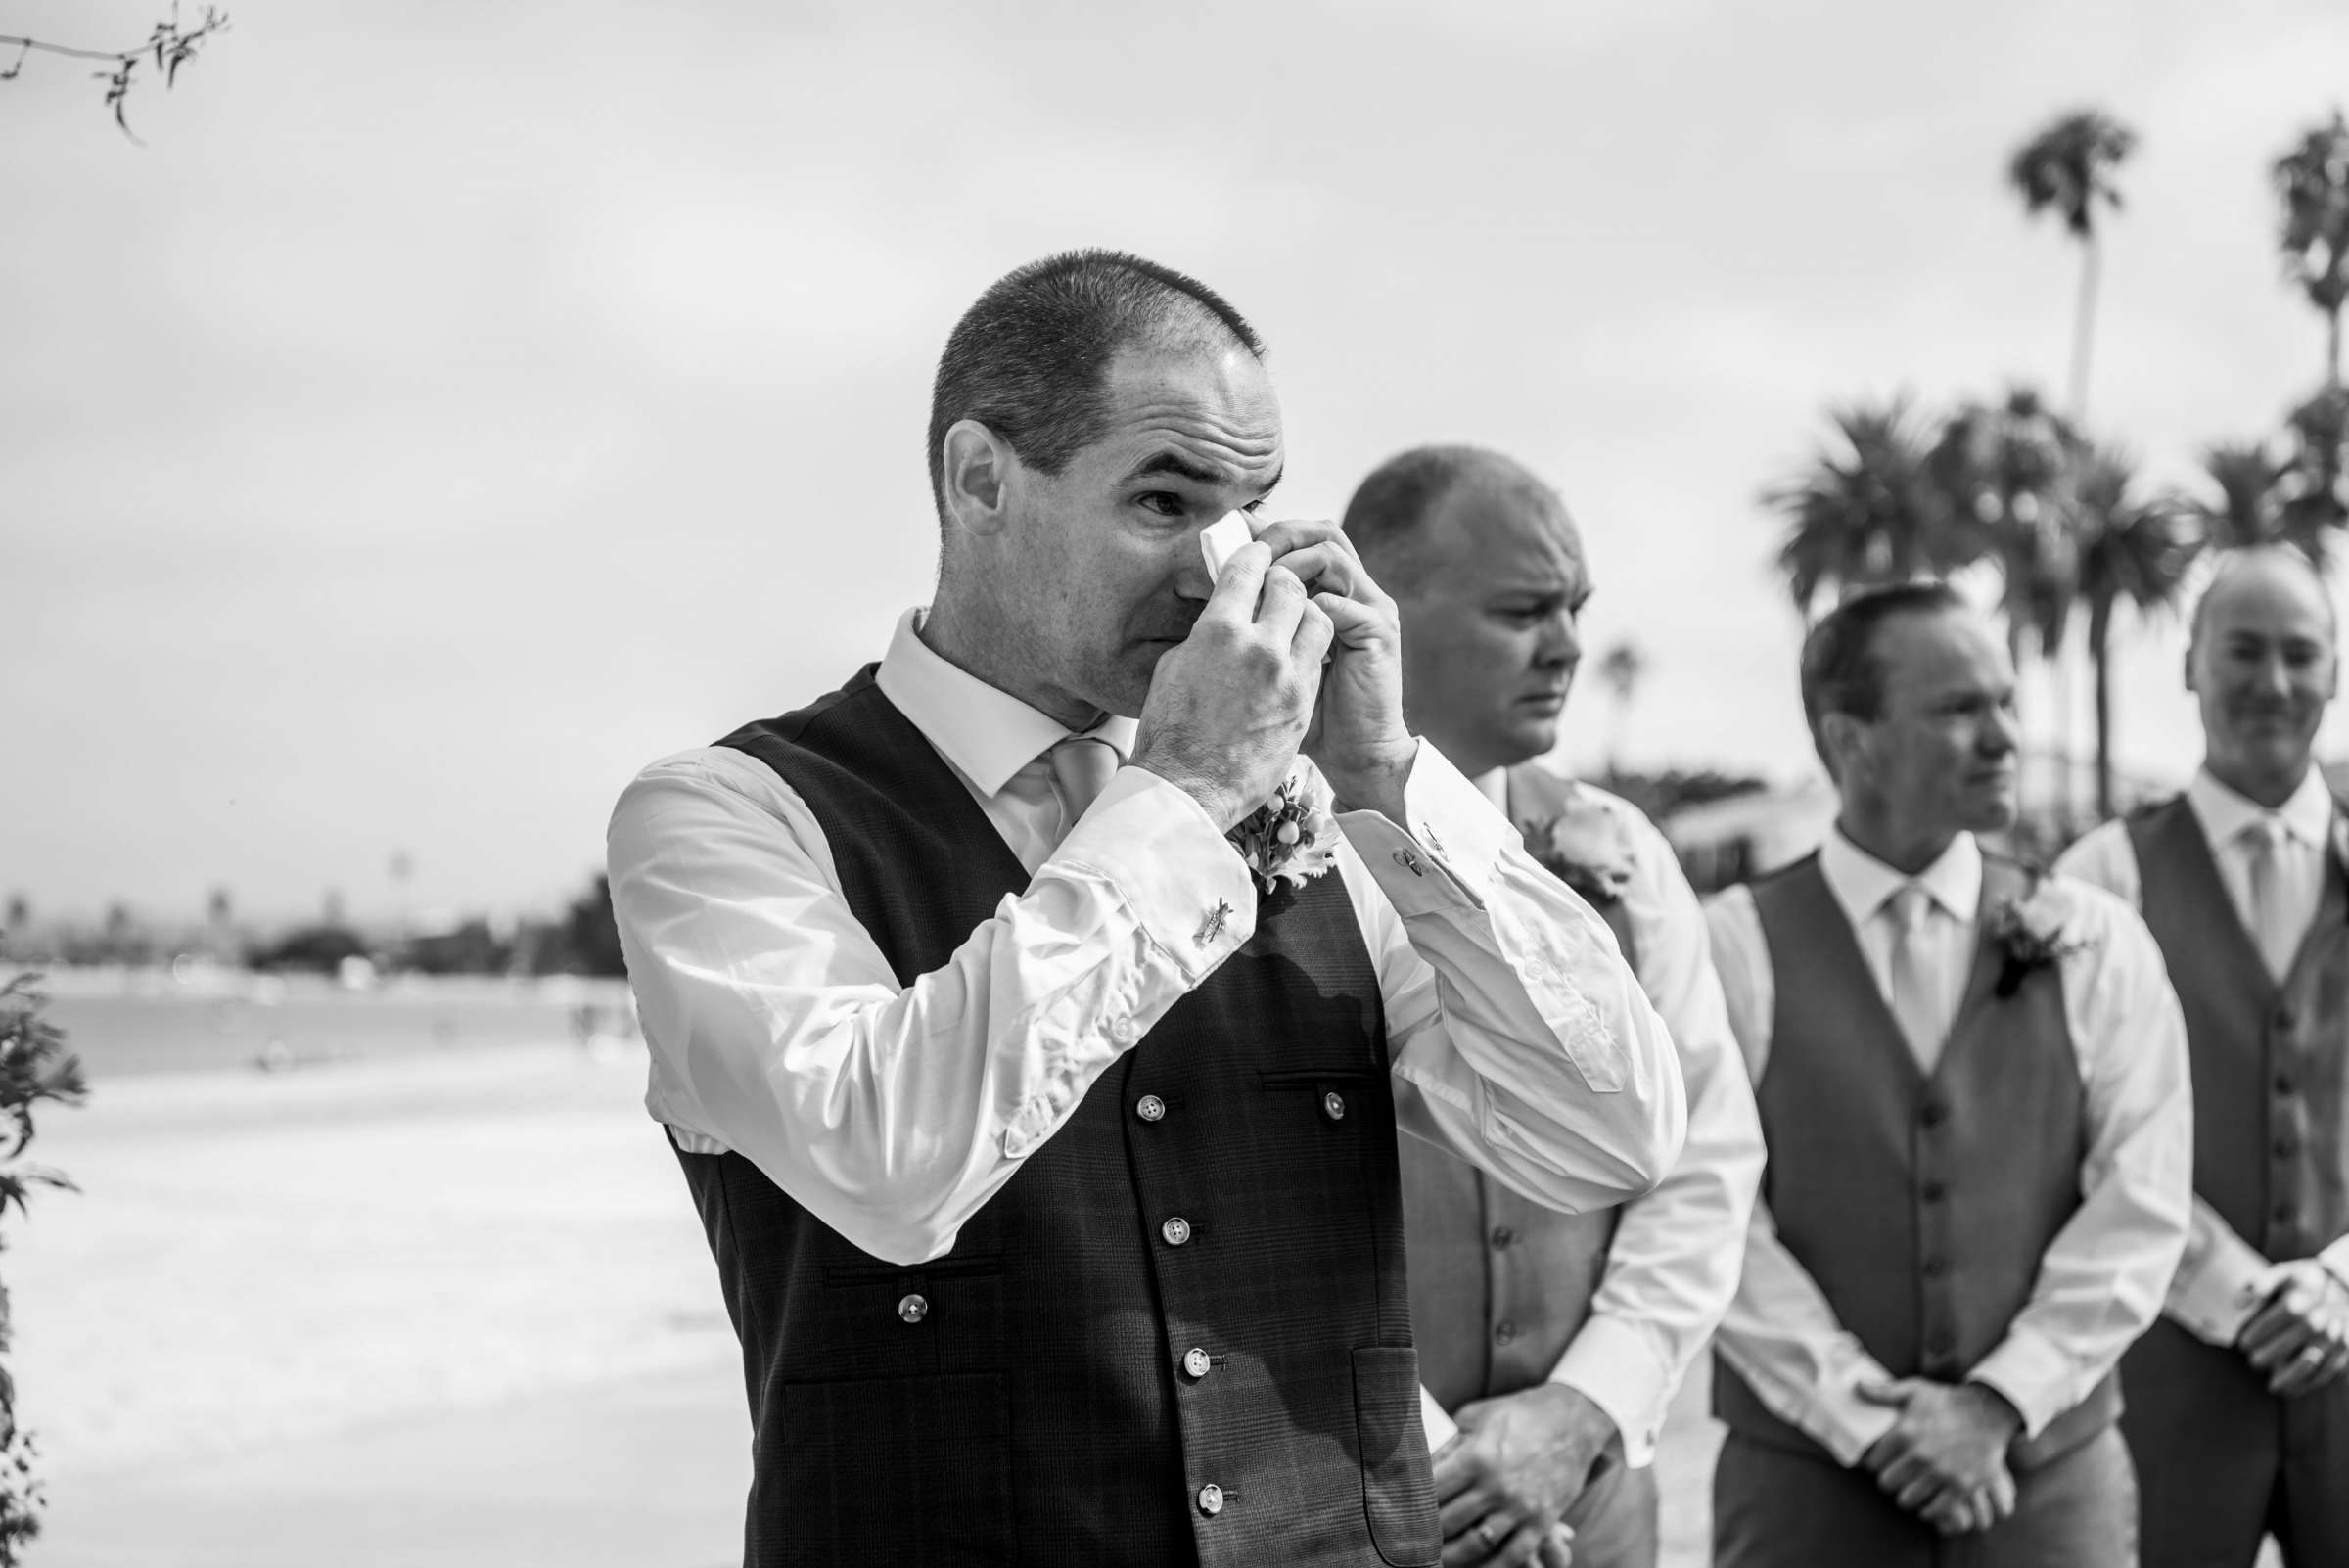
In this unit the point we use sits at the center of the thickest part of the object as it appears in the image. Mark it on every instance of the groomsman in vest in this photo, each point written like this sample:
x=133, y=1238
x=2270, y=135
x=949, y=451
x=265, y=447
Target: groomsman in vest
x=1974, y=1091
x=1033, y=1022
x=1555, y=1341
x=2237, y=1411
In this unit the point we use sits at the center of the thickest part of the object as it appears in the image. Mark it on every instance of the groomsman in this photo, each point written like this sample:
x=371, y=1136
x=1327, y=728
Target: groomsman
x=2237, y=1411
x=1973, y=1088
x=1034, y=1021
x=1554, y=1340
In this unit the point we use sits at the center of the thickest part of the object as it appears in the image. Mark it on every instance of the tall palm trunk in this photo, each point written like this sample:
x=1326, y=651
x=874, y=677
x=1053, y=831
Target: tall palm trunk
x=2084, y=323
x=2333, y=348
x=2099, y=633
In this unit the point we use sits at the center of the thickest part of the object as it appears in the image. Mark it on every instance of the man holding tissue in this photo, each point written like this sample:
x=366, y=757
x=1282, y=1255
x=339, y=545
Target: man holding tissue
x=1036, y=1079
x=1554, y=1340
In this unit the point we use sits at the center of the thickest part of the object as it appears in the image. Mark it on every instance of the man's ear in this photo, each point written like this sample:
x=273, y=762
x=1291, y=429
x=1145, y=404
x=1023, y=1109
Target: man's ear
x=1845, y=738
x=977, y=478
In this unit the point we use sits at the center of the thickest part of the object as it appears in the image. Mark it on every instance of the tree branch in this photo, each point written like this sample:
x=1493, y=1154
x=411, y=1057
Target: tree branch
x=169, y=46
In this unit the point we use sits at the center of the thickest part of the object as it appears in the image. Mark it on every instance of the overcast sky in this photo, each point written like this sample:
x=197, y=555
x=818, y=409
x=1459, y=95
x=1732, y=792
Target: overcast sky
x=459, y=403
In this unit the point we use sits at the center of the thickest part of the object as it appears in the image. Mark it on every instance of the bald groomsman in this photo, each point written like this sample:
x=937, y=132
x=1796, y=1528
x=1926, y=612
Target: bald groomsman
x=2237, y=1411
x=1555, y=1341
x=1973, y=1088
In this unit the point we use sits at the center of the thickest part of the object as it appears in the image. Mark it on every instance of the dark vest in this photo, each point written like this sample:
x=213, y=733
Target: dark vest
x=1500, y=1284
x=1921, y=1205
x=1031, y=1396
x=2270, y=1115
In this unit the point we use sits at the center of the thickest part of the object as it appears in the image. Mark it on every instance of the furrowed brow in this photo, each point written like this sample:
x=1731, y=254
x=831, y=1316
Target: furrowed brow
x=1180, y=466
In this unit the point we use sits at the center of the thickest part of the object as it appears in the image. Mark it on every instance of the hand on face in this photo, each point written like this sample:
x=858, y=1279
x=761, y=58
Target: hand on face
x=1358, y=738
x=1518, y=1464
x=1945, y=1459
x=1230, y=705
x=2300, y=1339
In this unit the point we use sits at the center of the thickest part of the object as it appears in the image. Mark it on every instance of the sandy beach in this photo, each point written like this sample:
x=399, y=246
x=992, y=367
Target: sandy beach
x=447, y=1309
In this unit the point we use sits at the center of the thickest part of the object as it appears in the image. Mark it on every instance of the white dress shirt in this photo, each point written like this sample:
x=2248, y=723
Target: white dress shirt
x=1672, y=1265
x=776, y=1028
x=2222, y=1282
x=2101, y=1280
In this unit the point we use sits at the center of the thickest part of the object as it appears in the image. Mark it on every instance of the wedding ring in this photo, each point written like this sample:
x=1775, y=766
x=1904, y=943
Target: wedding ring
x=1488, y=1533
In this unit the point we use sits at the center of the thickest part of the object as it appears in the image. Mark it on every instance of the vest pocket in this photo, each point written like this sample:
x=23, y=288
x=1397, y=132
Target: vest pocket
x=888, y=1469
x=1398, y=1487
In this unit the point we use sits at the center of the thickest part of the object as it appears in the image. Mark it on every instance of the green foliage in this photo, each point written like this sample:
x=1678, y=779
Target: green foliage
x=35, y=1068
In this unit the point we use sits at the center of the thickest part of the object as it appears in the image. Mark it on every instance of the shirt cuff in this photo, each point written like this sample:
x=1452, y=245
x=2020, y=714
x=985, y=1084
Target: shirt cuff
x=2030, y=1374
x=1447, y=847
x=2336, y=1260
x=1612, y=1362
x=1185, y=882
x=2216, y=1290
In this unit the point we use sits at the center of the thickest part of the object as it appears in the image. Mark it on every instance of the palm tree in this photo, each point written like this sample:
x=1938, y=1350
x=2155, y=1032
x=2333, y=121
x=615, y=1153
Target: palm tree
x=1622, y=668
x=2249, y=509
x=2311, y=181
x=2316, y=486
x=2003, y=466
x=2132, y=549
x=2068, y=169
x=1866, y=509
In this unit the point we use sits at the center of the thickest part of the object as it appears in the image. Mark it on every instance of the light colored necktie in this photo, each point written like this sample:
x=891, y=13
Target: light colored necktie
x=1914, y=1001
x=2271, y=933
x=1081, y=767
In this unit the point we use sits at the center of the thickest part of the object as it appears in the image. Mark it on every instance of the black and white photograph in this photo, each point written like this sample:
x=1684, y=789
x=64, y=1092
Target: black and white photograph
x=1380, y=785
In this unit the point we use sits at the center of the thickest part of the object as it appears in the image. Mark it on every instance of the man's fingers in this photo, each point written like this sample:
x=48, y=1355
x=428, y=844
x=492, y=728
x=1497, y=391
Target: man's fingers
x=1459, y=1513
x=1311, y=643
x=1895, y=1391
x=1456, y=1470
x=2000, y=1496
x=1557, y=1549
x=1919, y=1492
x=1906, y=1468
x=1240, y=584
x=1523, y=1546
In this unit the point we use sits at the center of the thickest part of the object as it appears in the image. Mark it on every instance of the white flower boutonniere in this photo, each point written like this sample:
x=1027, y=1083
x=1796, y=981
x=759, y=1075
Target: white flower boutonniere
x=1588, y=845
x=2033, y=932
x=1291, y=838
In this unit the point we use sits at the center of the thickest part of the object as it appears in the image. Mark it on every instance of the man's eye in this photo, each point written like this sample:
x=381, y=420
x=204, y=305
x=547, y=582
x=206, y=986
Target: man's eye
x=1166, y=503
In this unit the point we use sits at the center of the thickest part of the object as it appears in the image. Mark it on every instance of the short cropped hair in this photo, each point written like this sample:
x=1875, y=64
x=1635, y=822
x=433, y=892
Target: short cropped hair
x=1392, y=506
x=1841, y=673
x=2230, y=561
x=1029, y=359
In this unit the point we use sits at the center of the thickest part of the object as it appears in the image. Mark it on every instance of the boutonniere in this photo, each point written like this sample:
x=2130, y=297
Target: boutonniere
x=2033, y=932
x=1291, y=838
x=1585, y=846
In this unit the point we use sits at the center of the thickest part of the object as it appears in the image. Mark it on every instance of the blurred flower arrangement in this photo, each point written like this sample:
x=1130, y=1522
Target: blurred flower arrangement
x=34, y=1068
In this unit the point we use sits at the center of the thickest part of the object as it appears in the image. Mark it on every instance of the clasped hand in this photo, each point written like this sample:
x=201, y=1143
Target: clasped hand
x=1518, y=1464
x=1945, y=1459
x=2301, y=1338
x=1229, y=709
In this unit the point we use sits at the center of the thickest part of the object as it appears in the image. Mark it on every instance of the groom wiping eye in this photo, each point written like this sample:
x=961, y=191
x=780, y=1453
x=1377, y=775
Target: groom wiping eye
x=1034, y=1015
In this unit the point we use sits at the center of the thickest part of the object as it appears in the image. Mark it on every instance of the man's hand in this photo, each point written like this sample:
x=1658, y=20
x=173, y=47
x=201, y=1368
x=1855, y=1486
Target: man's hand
x=1358, y=738
x=2301, y=1337
x=1945, y=1459
x=1228, y=707
x=1518, y=1464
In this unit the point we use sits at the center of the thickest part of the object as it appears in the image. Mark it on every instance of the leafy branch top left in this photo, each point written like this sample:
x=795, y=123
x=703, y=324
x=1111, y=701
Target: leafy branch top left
x=171, y=45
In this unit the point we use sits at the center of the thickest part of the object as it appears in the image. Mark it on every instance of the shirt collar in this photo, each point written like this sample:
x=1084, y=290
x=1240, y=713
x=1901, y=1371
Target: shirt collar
x=986, y=734
x=1494, y=786
x=2224, y=813
x=1862, y=883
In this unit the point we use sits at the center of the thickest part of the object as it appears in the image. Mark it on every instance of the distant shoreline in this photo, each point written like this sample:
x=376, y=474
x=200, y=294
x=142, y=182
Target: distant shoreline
x=137, y=1022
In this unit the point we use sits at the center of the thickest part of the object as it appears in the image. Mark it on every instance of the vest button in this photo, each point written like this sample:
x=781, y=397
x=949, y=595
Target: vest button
x=1176, y=1230
x=1934, y=1192
x=913, y=1308
x=1210, y=1499
x=1942, y=1345
x=1935, y=1267
x=1932, y=1113
x=1150, y=1108
x=1333, y=1106
x=2285, y=1018
x=2283, y=1083
x=2282, y=1213
x=1503, y=1332
x=2285, y=1148
x=1503, y=1235
x=1196, y=1362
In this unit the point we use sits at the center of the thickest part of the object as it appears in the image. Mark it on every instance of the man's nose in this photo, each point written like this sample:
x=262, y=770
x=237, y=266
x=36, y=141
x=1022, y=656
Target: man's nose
x=2002, y=734
x=1191, y=580
x=1561, y=645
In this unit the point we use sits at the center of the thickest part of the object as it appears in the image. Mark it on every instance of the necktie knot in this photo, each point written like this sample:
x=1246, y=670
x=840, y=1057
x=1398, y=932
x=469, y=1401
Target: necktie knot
x=1908, y=907
x=1081, y=767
